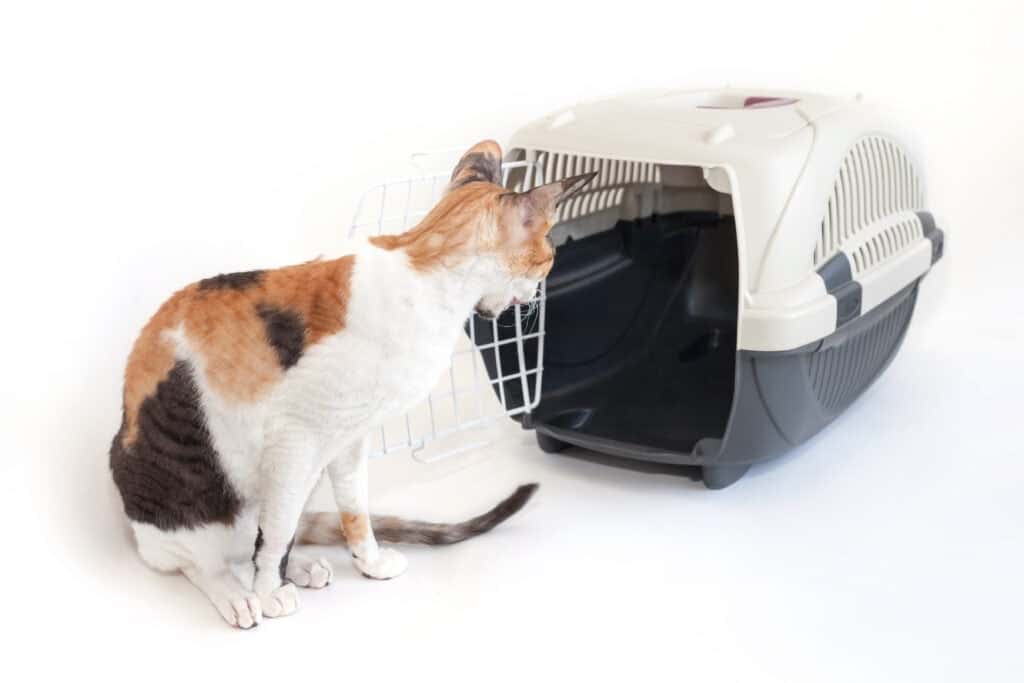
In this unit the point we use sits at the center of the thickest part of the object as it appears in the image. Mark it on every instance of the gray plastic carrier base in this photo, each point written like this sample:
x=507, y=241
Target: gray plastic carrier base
x=640, y=354
x=781, y=399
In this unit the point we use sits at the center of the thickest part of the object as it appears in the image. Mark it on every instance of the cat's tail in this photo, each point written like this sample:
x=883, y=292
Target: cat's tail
x=323, y=528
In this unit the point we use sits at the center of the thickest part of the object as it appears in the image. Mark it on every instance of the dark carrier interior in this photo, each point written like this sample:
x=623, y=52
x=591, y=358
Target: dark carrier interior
x=640, y=326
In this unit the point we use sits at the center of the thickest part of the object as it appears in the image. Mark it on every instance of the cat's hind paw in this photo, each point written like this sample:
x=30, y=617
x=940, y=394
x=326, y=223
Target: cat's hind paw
x=308, y=573
x=387, y=564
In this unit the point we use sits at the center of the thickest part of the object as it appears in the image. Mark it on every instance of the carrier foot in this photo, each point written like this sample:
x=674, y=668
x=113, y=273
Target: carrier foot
x=550, y=444
x=719, y=476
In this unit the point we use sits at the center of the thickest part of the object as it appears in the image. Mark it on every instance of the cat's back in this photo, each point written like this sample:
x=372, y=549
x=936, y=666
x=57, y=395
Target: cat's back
x=241, y=331
x=226, y=340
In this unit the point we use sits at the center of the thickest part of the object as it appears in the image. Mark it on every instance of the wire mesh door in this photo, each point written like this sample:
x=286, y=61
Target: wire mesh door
x=496, y=368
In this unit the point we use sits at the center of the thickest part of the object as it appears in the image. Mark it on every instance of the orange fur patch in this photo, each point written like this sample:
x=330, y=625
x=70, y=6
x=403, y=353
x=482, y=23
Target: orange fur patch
x=533, y=255
x=223, y=327
x=477, y=218
x=151, y=359
x=355, y=527
x=451, y=230
x=319, y=291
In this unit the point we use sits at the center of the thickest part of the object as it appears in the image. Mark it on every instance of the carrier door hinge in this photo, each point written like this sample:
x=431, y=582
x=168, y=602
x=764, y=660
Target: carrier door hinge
x=839, y=282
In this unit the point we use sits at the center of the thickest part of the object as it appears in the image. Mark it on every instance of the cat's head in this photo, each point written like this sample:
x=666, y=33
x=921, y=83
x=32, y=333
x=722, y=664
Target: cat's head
x=494, y=237
x=511, y=228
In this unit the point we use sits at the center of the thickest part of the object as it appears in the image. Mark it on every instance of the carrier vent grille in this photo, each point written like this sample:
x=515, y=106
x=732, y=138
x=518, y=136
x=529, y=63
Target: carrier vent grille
x=606, y=191
x=839, y=374
x=876, y=179
x=886, y=244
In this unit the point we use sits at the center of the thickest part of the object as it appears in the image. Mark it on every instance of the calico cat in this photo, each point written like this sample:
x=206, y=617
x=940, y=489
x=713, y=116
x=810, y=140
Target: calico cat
x=244, y=389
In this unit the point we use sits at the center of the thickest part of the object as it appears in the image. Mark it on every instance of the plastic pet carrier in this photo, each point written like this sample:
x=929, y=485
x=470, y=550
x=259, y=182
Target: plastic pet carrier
x=742, y=268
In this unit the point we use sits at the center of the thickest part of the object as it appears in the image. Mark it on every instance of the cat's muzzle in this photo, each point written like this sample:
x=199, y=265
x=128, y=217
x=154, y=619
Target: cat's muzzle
x=485, y=314
x=491, y=315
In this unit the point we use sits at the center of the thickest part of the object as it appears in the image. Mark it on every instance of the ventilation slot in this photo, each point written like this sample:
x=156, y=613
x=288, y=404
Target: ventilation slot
x=876, y=179
x=886, y=244
x=838, y=375
x=606, y=191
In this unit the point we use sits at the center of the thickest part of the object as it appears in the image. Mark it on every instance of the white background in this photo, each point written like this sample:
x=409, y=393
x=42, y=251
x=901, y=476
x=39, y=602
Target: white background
x=145, y=145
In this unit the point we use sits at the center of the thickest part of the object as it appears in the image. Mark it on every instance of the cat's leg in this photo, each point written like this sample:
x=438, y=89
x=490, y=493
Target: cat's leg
x=199, y=554
x=308, y=572
x=239, y=606
x=305, y=571
x=349, y=479
x=288, y=472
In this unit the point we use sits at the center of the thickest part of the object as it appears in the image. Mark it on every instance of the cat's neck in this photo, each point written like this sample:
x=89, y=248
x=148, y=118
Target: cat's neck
x=445, y=294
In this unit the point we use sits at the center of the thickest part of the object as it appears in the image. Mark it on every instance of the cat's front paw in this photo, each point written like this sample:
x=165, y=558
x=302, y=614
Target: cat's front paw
x=281, y=601
x=239, y=608
x=387, y=564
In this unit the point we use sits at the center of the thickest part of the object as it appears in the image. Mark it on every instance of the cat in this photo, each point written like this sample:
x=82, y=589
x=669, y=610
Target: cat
x=244, y=389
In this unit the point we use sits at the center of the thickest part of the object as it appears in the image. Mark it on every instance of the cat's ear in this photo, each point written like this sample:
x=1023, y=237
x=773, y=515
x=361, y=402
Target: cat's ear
x=482, y=162
x=541, y=201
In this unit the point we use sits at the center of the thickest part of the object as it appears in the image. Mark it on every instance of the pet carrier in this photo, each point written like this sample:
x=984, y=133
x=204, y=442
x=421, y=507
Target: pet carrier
x=740, y=271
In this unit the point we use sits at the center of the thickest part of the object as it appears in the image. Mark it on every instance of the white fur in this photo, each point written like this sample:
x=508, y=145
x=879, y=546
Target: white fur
x=400, y=329
x=307, y=572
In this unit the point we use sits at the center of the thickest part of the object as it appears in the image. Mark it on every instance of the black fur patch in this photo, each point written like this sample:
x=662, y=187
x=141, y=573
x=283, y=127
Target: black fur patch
x=398, y=530
x=170, y=476
x=283, y=567
x=258, y=545
x=285, y=332
x=477, y=167
x=248, y=278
